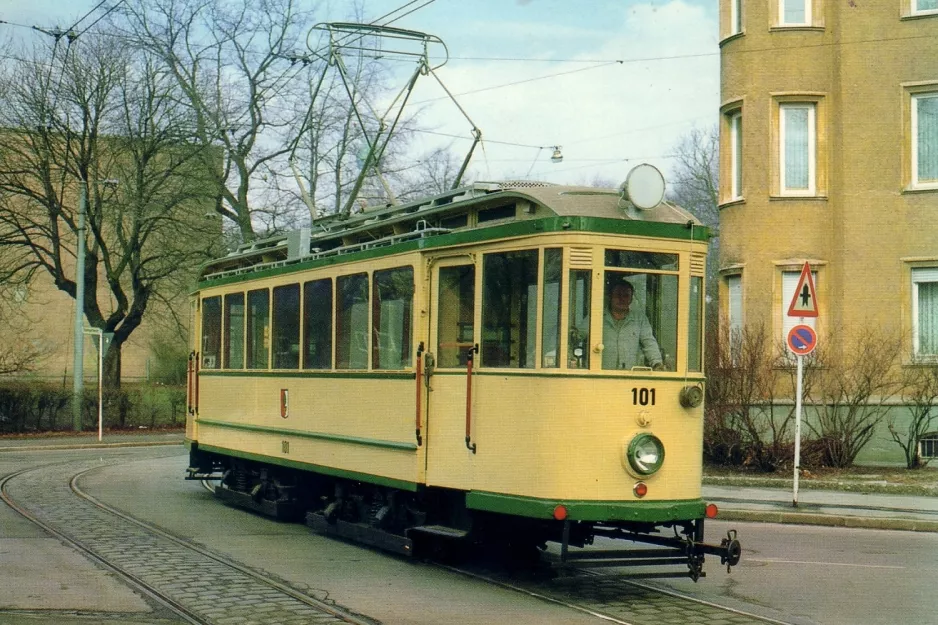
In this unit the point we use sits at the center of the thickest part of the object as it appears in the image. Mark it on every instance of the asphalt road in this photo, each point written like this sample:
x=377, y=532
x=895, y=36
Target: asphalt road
x=796, y=574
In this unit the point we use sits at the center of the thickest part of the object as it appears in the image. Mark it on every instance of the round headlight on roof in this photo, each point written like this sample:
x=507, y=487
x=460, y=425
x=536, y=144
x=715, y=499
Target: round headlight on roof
x=645, y=453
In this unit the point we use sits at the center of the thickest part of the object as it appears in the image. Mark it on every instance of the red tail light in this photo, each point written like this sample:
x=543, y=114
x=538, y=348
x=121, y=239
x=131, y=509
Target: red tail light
x=711, y=511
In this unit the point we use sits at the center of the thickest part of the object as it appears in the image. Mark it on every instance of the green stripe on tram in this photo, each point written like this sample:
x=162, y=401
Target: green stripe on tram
x=357, y=476
x=584, y=510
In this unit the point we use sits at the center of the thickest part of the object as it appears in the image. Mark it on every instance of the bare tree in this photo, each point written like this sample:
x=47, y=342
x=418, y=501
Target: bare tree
x=854, y=398
x=921, y=396
x=695, y=187
x=231, y=63
x=107, y=114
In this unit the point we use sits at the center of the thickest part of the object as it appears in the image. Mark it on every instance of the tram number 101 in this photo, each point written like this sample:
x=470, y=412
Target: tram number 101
x=643, y=396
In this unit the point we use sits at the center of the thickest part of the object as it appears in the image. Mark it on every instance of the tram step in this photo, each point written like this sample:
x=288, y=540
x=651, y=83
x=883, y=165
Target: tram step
x=361, y=533
x=440, y=530
x=280, y=510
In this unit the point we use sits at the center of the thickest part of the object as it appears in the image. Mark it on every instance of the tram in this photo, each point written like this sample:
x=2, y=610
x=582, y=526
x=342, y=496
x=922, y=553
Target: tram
x=440, y=370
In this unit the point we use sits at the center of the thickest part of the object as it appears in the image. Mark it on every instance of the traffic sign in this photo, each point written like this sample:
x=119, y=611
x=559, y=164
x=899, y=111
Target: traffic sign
x=804, y=302
x=802, y=340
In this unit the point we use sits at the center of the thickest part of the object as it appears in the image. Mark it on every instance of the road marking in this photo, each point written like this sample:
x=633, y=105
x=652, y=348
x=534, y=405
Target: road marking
x=862, y=566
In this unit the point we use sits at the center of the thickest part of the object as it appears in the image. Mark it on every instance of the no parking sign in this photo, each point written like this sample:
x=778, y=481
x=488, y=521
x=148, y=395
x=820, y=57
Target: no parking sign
x=802, y=340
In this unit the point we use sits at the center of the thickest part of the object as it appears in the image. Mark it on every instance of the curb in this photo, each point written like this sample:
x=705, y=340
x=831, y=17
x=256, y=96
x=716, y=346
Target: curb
x=88, y=446
x=763, y=516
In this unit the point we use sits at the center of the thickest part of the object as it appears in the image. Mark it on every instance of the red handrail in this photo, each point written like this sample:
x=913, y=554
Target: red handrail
x=469, y=358
x=419, y=390
x=189, y=384
x=195, y=406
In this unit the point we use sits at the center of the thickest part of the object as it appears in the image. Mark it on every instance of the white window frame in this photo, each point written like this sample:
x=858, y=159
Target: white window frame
x=734, y=311
x=917, y=11
x=736, y=13
x=736, y=163
x=812, y=149
x=916, y=183
x=807, y=14
x=919, y=276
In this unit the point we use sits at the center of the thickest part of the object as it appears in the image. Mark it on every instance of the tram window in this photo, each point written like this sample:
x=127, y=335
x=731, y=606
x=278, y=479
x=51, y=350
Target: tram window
x=578, y=355
x=509, y=309
x=234, y=331
x=640, y=321
x=499, y=212
x=392, y=318
x=317, y=324
x=258, y=334
x=211, y=332
x=695, y=325
x=550, y=343
x=454, y=330
x=456, y=221
x=630, y=259
x=286, y=342
x=351, y=318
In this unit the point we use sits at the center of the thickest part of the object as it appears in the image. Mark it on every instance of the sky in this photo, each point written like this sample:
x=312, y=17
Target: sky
x=612, y=83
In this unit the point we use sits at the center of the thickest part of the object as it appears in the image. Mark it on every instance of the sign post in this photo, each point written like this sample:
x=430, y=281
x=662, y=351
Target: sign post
x=802, y=339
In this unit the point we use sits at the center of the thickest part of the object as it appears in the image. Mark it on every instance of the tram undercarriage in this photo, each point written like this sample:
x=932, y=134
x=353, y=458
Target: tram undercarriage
x=436, y=521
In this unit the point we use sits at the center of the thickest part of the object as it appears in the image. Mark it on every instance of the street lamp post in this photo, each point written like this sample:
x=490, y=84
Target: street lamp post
x=100, y=334
x=78, y=367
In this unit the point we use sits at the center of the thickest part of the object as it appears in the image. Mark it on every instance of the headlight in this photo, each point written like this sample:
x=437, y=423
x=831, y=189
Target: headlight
x=645, y=454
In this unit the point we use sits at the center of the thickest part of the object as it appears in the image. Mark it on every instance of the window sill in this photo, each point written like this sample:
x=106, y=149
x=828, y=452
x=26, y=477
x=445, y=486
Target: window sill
x=910, y=190
x=733, y=202
x=815, y=198
x=796, y=28
x=732, y=37
x=919, y=16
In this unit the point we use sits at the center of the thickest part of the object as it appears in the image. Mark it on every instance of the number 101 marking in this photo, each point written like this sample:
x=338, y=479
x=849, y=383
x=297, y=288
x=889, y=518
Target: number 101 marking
x=643, y=396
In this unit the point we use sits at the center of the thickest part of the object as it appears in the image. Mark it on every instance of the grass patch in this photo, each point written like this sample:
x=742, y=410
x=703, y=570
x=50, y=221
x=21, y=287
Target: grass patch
x=864, y=479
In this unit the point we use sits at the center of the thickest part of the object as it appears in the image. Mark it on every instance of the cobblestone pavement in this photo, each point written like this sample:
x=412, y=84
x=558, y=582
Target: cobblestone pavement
x=210, y=588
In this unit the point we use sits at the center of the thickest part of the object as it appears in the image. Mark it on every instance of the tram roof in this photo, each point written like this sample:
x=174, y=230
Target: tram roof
x=377, y=226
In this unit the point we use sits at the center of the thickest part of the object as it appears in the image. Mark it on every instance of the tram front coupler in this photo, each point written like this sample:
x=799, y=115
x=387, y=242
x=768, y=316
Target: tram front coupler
x=729, y=550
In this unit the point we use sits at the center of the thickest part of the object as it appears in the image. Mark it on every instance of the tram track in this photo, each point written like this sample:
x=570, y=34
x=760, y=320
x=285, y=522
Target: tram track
x=621, y=601
x=195, y=584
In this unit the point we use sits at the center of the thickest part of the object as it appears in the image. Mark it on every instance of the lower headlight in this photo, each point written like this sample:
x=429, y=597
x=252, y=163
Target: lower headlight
x=645, y=454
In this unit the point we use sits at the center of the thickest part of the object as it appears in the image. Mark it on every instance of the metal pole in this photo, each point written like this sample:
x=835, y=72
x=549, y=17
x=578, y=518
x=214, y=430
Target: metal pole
x=78, y=368
x=794, y=502
x=100, y=383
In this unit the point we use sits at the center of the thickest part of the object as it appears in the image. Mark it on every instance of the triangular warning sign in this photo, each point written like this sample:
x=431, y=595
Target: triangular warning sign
x=804, y=302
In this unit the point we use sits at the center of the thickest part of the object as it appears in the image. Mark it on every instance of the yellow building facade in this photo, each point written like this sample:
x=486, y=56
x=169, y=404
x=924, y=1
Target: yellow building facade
x=829, y=154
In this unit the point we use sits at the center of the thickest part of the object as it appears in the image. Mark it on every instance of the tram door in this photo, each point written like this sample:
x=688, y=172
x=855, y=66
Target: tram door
x=453, y=338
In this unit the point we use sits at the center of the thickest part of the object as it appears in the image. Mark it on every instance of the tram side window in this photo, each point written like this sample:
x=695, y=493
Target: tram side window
x=234, y=331
x=695, y=325
x=211, y=332
x=392, y=318
x=286, y=327
x=640, y=321
x=578, y=355
x=317, y=324
x=455, y=336
x=351, y=318
x=550, y=343
x=258, y=334
x=509, y=309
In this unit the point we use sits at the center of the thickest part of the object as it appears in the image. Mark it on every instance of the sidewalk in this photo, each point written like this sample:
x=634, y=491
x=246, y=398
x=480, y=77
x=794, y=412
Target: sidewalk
x=825, y=507
x=770, y=505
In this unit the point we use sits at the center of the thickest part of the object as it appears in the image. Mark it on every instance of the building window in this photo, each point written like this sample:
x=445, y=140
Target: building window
x=925, y=139
x=736, y=155
x=928, y=446
x=924, y=6
x=736, y=16
x=790, y=280
x=797, y=148
x=734, y=311
x=925, y=313
x=794, y=12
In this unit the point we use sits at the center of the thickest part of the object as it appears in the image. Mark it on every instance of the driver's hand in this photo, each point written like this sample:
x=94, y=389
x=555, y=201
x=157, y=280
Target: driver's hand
x=657, y=367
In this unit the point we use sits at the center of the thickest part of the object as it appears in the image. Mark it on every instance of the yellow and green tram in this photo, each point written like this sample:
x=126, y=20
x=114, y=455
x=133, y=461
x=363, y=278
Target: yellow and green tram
x=440, y=370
